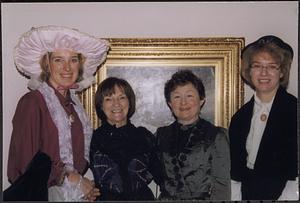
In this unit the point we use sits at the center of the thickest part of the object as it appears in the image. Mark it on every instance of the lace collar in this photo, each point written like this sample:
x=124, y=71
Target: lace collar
x=61, y=120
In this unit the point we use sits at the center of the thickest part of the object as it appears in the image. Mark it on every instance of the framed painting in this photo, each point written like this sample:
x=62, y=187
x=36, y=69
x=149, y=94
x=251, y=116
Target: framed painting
x=148, y=63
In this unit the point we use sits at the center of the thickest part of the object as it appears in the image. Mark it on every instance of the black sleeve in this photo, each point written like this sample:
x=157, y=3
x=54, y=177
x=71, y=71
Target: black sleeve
x=155, y=167
x=291, y=138
x=235, y=150
x=92, y=151
x=220, y=169
x=156, y=163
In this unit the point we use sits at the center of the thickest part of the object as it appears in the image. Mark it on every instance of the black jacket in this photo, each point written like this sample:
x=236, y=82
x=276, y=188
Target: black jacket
x=122, y=161
x=277, y=153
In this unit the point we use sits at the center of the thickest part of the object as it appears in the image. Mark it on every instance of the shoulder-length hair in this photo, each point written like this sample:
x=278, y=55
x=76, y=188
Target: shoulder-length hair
x=107, y=88
x=277, y=48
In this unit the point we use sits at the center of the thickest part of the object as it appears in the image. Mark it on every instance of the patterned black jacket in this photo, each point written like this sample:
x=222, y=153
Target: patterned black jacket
x=122, y=161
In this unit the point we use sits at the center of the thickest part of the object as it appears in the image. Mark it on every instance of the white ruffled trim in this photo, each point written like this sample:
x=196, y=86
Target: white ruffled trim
x=72, y=192
x=86, y=123
x=68, y=191
x=35, y=83
x=85, y=83
x=60, y=118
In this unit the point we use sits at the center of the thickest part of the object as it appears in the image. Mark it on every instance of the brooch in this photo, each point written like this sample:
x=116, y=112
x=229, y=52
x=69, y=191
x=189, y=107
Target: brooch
x=263, y=117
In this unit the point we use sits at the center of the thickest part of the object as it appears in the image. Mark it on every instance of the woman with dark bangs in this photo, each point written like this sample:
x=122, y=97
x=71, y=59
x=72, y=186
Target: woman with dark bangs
x=122, y=155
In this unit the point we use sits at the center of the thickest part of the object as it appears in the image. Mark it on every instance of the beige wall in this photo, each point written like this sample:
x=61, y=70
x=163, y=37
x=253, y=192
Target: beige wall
x=109, y=20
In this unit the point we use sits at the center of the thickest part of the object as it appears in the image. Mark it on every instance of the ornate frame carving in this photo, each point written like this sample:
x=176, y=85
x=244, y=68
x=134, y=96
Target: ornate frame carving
x=221, y=54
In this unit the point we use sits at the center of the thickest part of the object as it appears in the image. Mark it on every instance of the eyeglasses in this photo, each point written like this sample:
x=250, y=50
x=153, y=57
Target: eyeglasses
x=271, y=67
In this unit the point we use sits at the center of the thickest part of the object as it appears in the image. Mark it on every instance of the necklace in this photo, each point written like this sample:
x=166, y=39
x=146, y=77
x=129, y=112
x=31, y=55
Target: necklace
x=71, y=117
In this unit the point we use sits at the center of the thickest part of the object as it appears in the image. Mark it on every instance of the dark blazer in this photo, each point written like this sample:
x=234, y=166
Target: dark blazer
x=277, y=153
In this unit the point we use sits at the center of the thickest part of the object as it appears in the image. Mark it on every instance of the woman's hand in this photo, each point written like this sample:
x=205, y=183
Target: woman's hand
x=87, y=186
x=73, y=177
x=89, y=189
x=93, y=194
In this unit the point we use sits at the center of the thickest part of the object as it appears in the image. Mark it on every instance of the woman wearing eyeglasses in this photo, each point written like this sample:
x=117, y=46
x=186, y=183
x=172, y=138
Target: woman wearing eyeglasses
x=263, y=133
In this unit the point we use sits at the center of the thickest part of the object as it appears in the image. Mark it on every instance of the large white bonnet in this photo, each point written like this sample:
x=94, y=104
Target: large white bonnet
x=38, y=41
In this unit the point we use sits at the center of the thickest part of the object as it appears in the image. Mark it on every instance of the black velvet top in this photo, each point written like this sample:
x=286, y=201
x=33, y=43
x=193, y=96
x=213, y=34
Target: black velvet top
x=122, y=161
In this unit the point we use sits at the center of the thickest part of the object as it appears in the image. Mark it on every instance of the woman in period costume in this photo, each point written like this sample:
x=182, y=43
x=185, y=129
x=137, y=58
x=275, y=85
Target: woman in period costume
x=50, y=118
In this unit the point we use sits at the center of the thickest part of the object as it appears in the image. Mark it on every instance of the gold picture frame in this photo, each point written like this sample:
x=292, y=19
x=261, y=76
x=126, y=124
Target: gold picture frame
x=146, y=63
